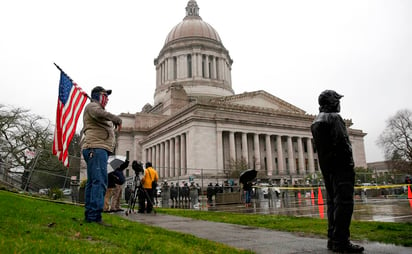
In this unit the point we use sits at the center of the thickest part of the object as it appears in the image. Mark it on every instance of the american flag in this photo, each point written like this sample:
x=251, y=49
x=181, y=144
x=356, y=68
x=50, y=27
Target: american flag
x=69, y=107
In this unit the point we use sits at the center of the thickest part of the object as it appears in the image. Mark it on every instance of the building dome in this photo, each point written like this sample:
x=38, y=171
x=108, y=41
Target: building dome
x=193, y=57
x=191, y=27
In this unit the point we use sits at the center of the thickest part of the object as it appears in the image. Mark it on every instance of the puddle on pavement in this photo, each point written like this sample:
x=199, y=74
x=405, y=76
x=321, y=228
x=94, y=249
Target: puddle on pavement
x=385, y=210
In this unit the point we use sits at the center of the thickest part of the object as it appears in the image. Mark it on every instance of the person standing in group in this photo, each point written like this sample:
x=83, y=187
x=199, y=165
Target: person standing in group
x=173, y=195
x=150, y=176
x=210, y=191
x=247, y=189
x=114, y=189
x=98, y=141
x=336, y=163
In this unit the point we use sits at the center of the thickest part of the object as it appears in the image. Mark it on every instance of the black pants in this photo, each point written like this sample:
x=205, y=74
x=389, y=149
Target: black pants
x=146, y=199
x=340, y=190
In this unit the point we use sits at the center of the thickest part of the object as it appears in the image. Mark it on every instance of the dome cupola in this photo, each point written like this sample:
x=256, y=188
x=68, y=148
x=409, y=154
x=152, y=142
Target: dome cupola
x=192, y=26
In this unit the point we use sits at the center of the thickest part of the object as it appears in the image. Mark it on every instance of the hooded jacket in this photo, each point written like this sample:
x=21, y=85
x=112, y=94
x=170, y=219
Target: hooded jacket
x=331, y=139
x=98, y=127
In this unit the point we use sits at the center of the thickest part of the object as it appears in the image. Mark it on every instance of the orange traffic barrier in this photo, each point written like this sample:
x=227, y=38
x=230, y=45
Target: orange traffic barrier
x=409, y=192
x=320, y=197
x=312, y=195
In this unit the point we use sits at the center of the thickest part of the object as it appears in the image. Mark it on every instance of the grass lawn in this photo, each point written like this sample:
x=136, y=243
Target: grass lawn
x=32, y=225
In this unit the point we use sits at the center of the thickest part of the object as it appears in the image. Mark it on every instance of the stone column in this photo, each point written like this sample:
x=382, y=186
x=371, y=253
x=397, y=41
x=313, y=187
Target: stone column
x=269, y=155
x=213, y=68
x=158, y=158
x=167, y=158
x=207, y=66
x=281, y=164
x=301, y=158
x=219, y=150
x=257, y=151
x=162, y=170
x=232, y=153
x=149, y=154
x=194, y=63
x=144, y=154
x=172, y=157
x=291, y=158
x=168, y=66
x=183, y=154
x=244, y=147
x=199, y=65
x=220, y=70
x=157, y=75
x=311, y=160
x=177, y=156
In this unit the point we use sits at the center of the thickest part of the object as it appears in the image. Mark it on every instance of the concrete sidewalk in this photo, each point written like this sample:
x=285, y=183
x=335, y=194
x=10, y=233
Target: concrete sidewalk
x=258, y=240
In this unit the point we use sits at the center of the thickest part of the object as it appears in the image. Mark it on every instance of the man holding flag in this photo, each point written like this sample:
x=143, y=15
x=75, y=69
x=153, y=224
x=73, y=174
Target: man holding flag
x=98, y=139
x=97, y=143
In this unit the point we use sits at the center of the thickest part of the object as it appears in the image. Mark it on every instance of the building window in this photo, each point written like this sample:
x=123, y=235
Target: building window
x=174, y=68
x=127, y=155
x=210, y=66
x=203, y=66
x=189, y=66
x=217, y=68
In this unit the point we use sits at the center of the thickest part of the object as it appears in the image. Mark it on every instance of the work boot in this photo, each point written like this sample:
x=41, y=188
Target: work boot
x=330, y=244
x=347, y=248
x=102, y=223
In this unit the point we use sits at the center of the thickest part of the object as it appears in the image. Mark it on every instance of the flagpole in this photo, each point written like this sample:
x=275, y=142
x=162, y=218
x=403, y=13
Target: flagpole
x=60, y=69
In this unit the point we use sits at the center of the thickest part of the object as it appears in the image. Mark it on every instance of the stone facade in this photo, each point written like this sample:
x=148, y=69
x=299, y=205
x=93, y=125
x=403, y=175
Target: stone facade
x=197, y=122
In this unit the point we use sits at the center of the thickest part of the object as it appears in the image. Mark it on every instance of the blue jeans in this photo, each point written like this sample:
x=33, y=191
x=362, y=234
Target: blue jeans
x=96, y=185
x=248, y=196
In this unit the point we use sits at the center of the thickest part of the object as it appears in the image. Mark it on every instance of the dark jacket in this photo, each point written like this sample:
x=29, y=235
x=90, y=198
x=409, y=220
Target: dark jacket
x=332, y=142
x=116, y=177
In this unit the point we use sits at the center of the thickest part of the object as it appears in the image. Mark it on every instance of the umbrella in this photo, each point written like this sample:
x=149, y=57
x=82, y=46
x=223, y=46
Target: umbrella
x=247, y=175
x=114, y=162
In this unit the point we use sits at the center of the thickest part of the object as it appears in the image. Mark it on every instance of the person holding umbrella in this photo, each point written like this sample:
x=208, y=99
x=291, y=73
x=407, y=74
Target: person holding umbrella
x=116, y=179
x=246, y=178
x=247, y=188
x=98, y=141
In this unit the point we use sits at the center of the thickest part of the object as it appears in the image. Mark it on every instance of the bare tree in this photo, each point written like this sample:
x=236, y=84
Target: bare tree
x=396, y=140
x=236, y=167
x=22, y=133
x=23, y=136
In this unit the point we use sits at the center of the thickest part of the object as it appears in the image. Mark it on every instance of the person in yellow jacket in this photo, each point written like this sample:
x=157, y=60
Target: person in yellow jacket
x=149, y=182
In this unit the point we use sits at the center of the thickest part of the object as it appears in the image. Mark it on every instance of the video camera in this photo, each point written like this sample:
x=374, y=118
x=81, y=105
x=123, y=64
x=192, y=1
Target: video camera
x=137, y=167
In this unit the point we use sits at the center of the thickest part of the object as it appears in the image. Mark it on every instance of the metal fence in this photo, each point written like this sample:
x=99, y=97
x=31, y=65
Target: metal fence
x=193, y=185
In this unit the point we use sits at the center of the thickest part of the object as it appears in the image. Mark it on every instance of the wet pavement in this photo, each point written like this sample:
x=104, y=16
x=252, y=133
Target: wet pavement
x=270, y=241
x=249, y=238
x=367, y=209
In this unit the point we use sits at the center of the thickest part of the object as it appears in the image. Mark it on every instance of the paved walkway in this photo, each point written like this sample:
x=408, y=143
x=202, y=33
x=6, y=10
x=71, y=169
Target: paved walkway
x=258, y=240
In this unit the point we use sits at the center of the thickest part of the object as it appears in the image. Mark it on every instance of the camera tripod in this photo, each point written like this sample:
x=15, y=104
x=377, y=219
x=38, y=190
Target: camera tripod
x=137, y=190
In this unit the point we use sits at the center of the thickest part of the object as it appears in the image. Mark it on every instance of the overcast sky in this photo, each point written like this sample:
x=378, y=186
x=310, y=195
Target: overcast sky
x=291, y=49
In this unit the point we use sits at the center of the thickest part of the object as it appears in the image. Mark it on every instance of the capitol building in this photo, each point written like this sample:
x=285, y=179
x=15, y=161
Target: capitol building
x=199, y=127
